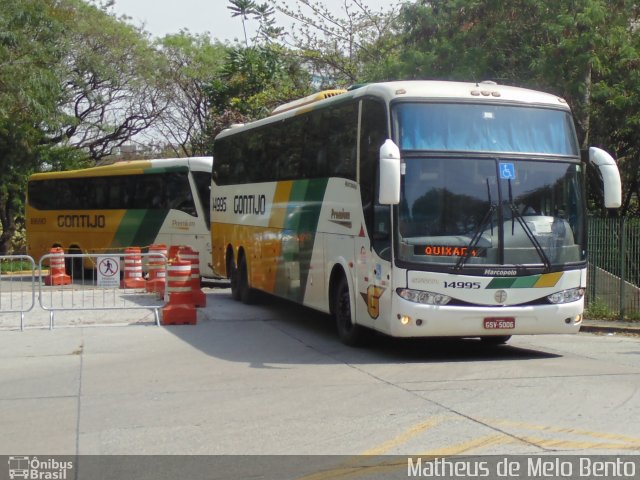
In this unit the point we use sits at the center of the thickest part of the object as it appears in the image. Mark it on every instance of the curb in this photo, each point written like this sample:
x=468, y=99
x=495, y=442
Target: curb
x=610, y=329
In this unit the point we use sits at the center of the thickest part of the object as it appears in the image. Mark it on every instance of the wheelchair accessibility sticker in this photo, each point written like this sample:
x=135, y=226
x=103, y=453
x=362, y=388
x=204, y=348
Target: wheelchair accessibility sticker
x=507, y=171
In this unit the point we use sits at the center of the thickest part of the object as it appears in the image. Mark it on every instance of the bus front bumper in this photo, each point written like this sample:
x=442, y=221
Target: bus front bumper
x=411, y=319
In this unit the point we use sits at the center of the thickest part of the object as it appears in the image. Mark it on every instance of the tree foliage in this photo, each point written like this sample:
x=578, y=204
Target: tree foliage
x=112, y=81
x=340, y=48
x=193, y=64
x=31, y=47
x=73, y=80
x=585, y=51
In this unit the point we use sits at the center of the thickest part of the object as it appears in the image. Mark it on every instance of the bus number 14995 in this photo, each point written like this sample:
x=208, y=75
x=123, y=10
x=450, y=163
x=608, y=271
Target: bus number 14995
x=471, y=285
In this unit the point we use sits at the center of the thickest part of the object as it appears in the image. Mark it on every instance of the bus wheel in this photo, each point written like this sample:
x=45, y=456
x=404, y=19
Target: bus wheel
x=74, y=266
x=495, y=340
x=233, y=280
x=349, y=333
x=246, y=293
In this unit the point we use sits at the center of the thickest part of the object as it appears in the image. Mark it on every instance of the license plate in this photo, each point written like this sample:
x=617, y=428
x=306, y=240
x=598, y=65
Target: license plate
x=499, y=323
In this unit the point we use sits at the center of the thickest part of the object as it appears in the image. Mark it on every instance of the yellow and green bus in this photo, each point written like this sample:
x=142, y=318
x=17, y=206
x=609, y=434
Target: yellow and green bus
x=125, y=204
x=414, y=208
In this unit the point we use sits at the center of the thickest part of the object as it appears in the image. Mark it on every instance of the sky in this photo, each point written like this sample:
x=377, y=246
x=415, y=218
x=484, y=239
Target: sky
x=160, y=17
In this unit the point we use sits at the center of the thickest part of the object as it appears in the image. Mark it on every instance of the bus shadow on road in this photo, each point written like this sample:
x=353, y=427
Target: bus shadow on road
x=277, y=331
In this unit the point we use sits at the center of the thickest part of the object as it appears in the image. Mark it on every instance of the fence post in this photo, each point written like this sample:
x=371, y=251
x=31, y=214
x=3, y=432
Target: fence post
x=623, y=264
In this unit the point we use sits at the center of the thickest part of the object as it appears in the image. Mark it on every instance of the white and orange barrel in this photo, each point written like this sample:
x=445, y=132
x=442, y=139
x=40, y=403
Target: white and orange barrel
x=187, y=253
x=157, y=269
x=132, y=269
x=180, y=308
x=57, y=271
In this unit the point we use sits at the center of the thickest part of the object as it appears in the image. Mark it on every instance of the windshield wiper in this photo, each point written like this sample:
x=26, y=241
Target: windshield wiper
x=477, y=234
x=515, y=214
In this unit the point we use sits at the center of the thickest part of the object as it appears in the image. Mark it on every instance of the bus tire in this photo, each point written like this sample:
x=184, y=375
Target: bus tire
x=495, y=340
x=74, y=266
x=350, y=333
x=246, y=293
x=232, y=272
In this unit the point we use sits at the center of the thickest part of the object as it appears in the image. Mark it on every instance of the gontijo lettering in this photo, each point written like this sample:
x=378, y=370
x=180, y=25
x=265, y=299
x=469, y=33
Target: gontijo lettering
x=250, y=204
x=81, y=221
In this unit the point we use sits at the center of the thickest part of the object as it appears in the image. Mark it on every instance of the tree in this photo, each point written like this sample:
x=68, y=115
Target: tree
x=582, y=51
x=242, y=9
x=256, y=78
x=341, y=49
x=112, y=81
x=74, y=82
x=254, y=81
x=30, y=51
x=193, y=64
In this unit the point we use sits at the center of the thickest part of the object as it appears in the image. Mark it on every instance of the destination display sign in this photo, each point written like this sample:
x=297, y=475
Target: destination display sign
x=448, y=251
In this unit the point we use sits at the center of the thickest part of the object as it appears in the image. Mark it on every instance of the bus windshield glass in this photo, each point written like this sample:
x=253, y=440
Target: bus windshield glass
x=485, y=128
x=490, y=211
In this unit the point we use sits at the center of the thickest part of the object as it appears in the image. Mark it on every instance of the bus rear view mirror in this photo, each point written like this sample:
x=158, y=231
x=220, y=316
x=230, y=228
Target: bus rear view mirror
x=608, y=169
x=389, y=174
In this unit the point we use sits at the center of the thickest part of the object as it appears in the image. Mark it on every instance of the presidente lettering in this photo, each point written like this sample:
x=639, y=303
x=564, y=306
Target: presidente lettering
x=341, y=217
x=250, y=204
x=81, y=221
x=183, y=225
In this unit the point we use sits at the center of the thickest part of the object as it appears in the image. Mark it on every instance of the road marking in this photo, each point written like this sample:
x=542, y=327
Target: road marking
x=366, y=464
x=629, y=442
x=403, y=437
x=360, y=466
x=557, y=443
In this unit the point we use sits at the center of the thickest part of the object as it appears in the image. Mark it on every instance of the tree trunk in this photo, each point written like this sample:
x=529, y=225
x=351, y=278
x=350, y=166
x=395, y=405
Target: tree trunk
x=7, y=222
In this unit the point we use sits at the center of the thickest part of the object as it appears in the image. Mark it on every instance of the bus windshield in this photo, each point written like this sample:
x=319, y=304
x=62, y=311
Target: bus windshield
x=490, y=212
x=485, y=128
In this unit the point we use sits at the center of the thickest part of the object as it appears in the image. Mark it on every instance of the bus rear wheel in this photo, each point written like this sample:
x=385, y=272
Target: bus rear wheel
x=350, y=333
x=232, y=271
x=74, y=266
x=245, y=293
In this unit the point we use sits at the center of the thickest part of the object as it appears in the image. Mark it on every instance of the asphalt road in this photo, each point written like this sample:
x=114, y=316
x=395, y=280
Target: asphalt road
x=273, y=379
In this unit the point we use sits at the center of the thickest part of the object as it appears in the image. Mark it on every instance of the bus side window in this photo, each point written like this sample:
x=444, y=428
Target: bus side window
x=179, y=193
x=340, y=133
x=373, y=134
x=203, y=185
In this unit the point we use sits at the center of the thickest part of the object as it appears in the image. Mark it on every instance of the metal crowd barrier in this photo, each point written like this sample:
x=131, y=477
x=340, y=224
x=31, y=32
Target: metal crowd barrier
x=94, y=283
x=17, y=285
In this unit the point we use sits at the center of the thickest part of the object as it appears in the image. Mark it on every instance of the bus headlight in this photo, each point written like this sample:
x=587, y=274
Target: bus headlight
x=420, y=296
x=566, y=296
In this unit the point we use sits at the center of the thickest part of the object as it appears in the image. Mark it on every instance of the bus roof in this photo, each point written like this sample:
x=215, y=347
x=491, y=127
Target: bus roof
x=130, y=167
x=482, y=92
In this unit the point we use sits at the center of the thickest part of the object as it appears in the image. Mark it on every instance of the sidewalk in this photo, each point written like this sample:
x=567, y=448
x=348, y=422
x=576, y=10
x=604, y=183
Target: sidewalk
x=610, y=326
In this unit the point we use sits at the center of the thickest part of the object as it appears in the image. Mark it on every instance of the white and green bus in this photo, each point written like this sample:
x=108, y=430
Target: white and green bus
x=413, y=208
x=126, y=204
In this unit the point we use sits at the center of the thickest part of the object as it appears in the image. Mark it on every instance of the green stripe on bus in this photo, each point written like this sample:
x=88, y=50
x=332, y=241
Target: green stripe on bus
x=526, y=282
x=301, y=222
x=139, y=227
x=513, y=282
x=149, y=228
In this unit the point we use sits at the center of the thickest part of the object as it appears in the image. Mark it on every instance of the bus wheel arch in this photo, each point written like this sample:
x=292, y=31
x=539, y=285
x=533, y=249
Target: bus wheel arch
x=342, y=309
